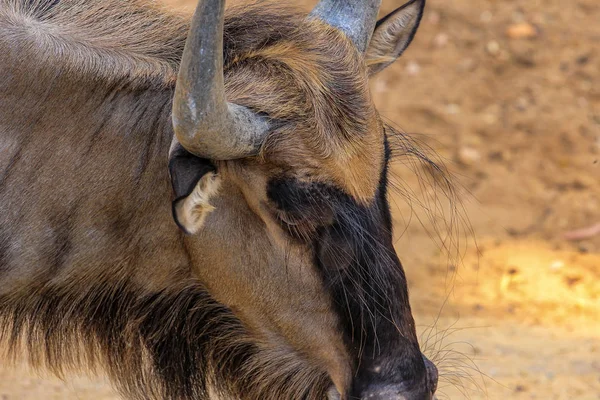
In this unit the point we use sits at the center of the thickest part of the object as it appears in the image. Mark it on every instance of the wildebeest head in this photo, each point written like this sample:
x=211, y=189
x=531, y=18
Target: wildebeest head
x=288, y=222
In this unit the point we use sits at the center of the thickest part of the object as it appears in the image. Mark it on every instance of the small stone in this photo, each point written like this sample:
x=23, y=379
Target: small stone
x=441, y=40
x=583, y=182
x=556, y=265
x=583, y=248
x=434, y=18
x=522, y=30
x=468, y=156
x=583, y=59
x=572, y=280
x=413, y=68
x=520, y=389
x=493, y=47
x=498, y=156
x=491, y=114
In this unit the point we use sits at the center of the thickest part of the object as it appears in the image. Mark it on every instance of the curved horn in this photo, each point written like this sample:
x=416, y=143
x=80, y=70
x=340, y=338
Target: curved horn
x=204, y=122
x=356, y=18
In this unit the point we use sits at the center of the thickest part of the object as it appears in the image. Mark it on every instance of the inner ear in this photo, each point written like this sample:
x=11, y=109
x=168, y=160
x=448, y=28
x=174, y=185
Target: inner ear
x=194, y=181
x=393, y=33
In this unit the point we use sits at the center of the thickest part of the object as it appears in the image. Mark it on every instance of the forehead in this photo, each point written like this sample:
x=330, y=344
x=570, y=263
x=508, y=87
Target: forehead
x=309, y=79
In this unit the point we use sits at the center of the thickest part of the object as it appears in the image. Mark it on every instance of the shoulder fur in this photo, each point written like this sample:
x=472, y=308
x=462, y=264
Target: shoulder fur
x=111, y=39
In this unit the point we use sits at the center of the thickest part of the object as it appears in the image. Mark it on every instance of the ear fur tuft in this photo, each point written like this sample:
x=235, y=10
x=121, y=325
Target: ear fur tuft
x=194, y=182
x=393, y=34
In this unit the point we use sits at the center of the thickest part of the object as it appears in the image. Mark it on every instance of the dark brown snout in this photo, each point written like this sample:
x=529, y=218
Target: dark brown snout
x=432, y=375
x=423, y=389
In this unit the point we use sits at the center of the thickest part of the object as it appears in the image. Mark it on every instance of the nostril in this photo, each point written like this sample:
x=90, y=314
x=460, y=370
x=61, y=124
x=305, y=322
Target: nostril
x=416, y=381
x=394, y=392
x=382, y=393
x=333, y=394
x=432, y=374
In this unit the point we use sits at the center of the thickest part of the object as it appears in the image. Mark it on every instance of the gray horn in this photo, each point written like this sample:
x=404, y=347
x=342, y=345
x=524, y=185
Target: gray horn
x=356, y=18
x=204, y=122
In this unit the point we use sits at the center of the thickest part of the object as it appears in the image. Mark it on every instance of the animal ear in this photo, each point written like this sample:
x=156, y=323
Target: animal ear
x=194, y=182
x=393, y=34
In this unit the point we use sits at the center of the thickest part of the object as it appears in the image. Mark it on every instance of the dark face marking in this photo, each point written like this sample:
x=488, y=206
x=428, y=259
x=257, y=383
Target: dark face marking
x=302, y=207
x=354, y=253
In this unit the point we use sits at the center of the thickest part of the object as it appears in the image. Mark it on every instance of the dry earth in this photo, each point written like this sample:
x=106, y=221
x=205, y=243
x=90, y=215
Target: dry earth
x=508, y=95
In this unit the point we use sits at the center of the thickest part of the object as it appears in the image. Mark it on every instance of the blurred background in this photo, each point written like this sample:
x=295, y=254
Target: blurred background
x=507, y=94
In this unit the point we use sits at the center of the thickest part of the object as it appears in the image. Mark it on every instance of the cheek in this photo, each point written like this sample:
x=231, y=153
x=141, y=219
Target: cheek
x=272, y=285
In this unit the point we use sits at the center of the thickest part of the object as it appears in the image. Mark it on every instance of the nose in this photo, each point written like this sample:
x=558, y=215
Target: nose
x=425, y=390
x=395, y=393
x=432, y=375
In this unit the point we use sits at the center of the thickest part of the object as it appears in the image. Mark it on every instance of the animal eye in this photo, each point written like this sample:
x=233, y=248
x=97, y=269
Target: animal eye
x=301, y=207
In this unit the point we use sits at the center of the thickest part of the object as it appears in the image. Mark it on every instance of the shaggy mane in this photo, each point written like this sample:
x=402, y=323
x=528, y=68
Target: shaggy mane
x=152, y=345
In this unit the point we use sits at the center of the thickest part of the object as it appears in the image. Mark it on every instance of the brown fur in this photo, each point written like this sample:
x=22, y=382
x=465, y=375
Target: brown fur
x=311, y=87
x=93, y=271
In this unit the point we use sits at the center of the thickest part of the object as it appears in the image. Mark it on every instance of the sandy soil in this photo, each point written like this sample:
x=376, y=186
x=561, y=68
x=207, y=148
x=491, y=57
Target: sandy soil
x=506, y=306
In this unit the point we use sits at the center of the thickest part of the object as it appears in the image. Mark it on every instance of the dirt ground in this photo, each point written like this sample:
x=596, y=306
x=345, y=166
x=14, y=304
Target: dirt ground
x=508, y=95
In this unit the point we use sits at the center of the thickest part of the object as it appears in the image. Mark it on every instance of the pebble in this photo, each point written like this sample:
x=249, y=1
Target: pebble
x=441, y=40
x=522, y=30
x=520, y=388
x=434, y=18
x=556, y=265
x=500, y=156
x=413, y=68
x=468, y=156
x=583, y=59
x=493, y=47
x=584, y=182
